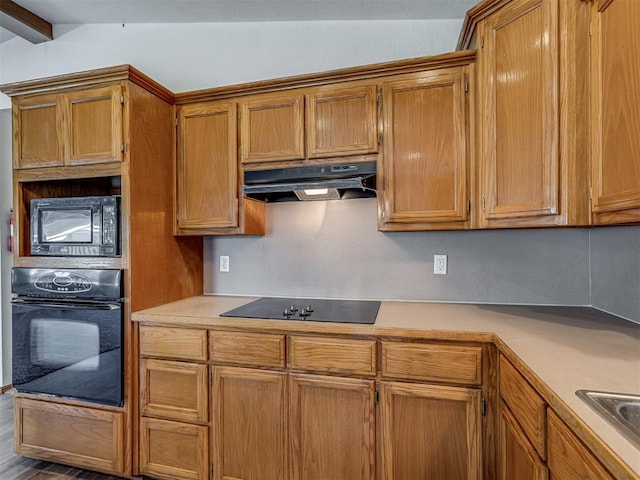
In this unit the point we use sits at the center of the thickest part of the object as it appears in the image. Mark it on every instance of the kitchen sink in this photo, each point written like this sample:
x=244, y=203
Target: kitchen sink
x=619, y=409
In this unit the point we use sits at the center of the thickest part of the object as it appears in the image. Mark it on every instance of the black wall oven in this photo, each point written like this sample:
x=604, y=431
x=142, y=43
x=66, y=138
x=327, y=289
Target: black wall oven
x=67, y=333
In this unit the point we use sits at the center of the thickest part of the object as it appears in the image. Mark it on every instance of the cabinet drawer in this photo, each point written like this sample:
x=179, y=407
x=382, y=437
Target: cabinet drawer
x=174, y=390
x=527, y=406
x=333, y=355
x=257, y=349
x=173, y=450
x=168, y=342
x=432, y=362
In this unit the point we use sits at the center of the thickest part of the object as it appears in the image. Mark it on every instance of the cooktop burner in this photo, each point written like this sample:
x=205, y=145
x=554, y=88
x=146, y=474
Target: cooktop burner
x=315, y=310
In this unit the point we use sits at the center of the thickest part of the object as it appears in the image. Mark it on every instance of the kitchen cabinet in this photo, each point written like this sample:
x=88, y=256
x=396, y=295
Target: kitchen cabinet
x=518, y=458
x=68, y=133
x=272, y=127
x=531, y=114
x=77, y=127
x=569, y=458
x=430, y=431
x=332, y=427
x=174, y=403
x=424, y=181
x=615, y=111
x=342, y=120
x=208, y=187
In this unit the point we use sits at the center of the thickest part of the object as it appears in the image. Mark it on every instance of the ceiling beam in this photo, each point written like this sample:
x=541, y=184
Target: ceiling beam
x=24, y=23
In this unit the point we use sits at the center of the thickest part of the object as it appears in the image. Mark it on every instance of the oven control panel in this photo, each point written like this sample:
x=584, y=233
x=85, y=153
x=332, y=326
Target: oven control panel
x=60, y=282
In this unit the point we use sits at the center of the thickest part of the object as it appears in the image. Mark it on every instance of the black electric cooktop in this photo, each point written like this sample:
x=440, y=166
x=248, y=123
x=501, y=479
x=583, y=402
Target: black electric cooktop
x=313, y=310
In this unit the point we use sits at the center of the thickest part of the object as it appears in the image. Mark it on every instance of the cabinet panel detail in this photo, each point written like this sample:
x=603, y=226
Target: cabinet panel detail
x=257, y=349
x=174, y=390
x=249, y=431
x=432, y=362
x=525, y=403
x=170, y=342
x=172, y=450
x=332, y=428
x=342, y=121
x=332, y=355
x=430, y=431
x=66, y=434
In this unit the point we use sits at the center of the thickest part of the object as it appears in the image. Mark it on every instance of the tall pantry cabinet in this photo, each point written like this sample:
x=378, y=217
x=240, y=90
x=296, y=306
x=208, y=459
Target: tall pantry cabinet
x=109, y=131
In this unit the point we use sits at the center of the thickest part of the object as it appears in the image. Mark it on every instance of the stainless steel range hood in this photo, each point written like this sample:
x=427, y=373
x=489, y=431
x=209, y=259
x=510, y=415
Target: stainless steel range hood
x=313, y=182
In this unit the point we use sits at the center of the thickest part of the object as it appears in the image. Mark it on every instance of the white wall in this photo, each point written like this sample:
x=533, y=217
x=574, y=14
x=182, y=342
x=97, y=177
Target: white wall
x=5, y=255
x=186, y=57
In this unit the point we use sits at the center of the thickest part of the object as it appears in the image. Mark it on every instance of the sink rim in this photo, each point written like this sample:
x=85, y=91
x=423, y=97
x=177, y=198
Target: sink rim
x=606, y=405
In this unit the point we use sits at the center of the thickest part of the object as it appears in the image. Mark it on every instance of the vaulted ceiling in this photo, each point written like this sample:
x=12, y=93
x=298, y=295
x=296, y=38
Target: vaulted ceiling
x=33, y=19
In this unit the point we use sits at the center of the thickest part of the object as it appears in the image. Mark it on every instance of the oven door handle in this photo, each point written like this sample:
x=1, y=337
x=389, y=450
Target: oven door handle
x=70, y=306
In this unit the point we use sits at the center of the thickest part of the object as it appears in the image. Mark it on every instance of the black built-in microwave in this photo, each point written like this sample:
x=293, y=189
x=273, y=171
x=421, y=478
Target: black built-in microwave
x=76, y=226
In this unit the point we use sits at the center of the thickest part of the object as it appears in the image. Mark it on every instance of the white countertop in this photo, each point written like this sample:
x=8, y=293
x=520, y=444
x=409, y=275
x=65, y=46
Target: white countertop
x=564, y=348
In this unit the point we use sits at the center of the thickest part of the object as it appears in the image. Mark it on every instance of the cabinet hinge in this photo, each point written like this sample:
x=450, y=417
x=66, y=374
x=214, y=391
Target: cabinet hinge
x=590, y=29
x=379, y=139
x=123, y=148
x=466, y=86
x=468, y=206
x=482, y=42
x=377, y=396
x=378, y=98
x=590, y=193
x=176, y=122
x=211, y=378
x=484, y=203
x=121, y=99
x=483, y=406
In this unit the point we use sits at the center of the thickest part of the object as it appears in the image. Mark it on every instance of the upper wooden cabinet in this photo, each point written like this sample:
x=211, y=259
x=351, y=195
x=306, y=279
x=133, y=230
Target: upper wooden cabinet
x=531, y=118
x=342, y=120
x=424, y=175
x=208, y=196
x=272, y=128
x=615, y=116
x=73, y=128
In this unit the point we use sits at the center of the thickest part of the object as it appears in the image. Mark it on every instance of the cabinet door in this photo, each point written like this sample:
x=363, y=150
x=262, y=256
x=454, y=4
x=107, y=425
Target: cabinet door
x=516, y=456
x=342, y=120
x=569, y=458
x=430, y=432
x=519, y=119
x=272, y=128
x=425, y=163
x=249, y=424
x=174, y=390
x=37, y=127
x=332, y=428
x=615, y=50
x=173, y=450
x=207, y=166
x=93, y=125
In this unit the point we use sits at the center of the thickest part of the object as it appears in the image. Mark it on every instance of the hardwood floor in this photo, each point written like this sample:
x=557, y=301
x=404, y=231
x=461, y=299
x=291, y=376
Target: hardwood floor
x=16, y=467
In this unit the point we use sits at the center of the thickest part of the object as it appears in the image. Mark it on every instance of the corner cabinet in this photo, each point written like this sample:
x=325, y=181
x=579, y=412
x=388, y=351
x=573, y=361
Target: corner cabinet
x=531, y=116
x=615, y=104
x=208, y=186
x=78, y=127
x=424, y=176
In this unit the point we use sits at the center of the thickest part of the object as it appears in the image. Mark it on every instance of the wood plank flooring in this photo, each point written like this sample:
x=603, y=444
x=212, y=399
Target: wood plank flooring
x=16, y=467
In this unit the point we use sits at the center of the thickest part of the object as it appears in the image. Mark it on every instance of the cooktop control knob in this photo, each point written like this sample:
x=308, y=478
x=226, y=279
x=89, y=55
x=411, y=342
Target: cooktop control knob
x=309, y=308
x=305, y=313
x=287, y=312
x=293, y=308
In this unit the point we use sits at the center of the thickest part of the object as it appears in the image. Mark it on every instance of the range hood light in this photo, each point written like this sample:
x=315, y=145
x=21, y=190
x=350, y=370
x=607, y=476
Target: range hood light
x=318, y=194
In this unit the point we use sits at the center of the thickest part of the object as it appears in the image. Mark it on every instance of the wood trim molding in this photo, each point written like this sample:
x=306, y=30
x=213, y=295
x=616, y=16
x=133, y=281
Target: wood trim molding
x=475, y=15
x=24, y=23
x=5, y=388
x=363, y=72
x=88, y=78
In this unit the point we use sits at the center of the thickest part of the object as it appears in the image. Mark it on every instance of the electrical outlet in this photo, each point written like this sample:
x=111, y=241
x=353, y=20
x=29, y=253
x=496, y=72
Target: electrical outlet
x=440, y=264
x=224, y=263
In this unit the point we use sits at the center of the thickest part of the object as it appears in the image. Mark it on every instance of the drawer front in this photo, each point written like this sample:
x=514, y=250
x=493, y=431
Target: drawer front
x=432, y=362
x=333, y=355
x=169, y=342
x=174, y=390
x=527, y=406
x=255, y=349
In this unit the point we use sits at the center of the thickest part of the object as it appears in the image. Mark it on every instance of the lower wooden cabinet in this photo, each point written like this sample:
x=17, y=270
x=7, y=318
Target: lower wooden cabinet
x=85, y=437
x=249, y=429
x=430, y=431
x=173, y=450
x=518, y=458
x=332, y=428
x=569, y=458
